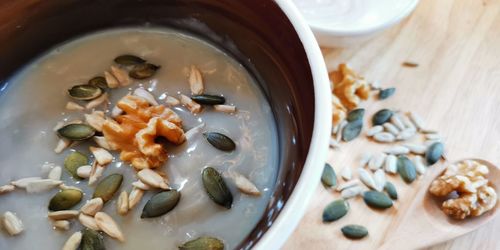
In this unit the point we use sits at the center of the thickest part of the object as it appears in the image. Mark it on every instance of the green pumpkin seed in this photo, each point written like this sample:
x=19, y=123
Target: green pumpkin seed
x=354, y=231
x=406, y=169
x=84, y=92
x=161, y=203
x=391, y=190
x=108, y=187
x=143, y=71
x=220, y=141
x=377, y=199
x=76, y=132
x=203, y=243
x=434, y=152
x=335, y=210
x=66, y=199
x=352, y=130
x=209, y=99
x=92, y=240
x=216, y=187
x=386, y=93
x=129, y=60
x=98, y=81
x=329, y=178
x=356, y=115
x=73, y=161
x=381, y=117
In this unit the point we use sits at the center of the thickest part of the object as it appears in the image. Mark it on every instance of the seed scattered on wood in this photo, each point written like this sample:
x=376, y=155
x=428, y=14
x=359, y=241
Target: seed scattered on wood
x=121, y=75
x=73, y=241
x=191, y=105
x=376, y=161
x=377, y=199
x=152, y=178
x=366, y=178
x=352, y=130
x=109, y=226
x=55, y=173
x=356, y=115
x=410, y=64
x=96, y=102
x=111, y=80
x=396, y=120
x=386, y=93
x=391, y=164
x=42, y=185
x=23, y=182
x=384, y=137
x=432, y=137
x=195, y=81
x=62, y=225
x=419, y=164
x=391, y=190
x=389, y=127
x=397, y=150
x=351, y=192
x=246, y=186
x=328, y=177
x=416, y=148
x=348, y=184
x=342, y=124
x=346, y=173
x=379, y=178
x=335, y=210
x=146, y=95
x=382, y=116
x=407, y=122
x=74, y=106
x=92, y=206
x=434, y=152
x=135, y=197
x=84, y=171
x=374, y=130
x=406, y=134
x=406, y=169
x=63, y=215
x=417, y=120
x=7, y=188
x=230, y=109
x=365, y=158
x=12, y=224
x=203, y=243
x=354, y=231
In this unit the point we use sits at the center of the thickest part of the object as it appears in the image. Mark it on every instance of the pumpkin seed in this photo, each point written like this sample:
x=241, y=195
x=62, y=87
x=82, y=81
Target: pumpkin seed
x=406, y=169
x=76, y=132
x=98, y=81
x=352, y=130
x=203, y=243
x=161, y=203
x=386, y=93
x=209, y=99
x=434, y=152
x=92, y=240
x=381, y=117
x=108, y=187
x=109, y=226
x=354, y=231
x=391, y=190
x=84, y=92
x=377, y=199
x=220, y=141
x=356, y=115
x=65, y=199
x=329, y=178
x=216, y=187
x=335, y=210
x=129, y=60
x=143, y=71
x=73, y=161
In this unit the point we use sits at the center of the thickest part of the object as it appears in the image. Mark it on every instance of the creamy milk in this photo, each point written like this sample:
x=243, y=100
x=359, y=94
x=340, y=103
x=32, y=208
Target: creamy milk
x=34, y=102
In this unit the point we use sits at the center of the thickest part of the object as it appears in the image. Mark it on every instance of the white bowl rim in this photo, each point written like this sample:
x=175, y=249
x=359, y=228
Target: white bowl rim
x=297, y=203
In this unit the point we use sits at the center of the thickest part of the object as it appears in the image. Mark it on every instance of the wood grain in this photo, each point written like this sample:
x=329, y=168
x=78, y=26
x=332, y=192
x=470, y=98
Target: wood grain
x=455, y=88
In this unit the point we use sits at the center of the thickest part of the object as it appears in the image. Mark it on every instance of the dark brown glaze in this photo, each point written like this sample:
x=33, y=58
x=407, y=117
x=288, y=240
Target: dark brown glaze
x=256, y=33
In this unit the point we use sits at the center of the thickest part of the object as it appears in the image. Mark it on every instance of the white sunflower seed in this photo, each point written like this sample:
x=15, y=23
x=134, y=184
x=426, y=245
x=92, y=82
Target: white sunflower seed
x=74, y=106
x=64, y=187
x=366, y=178
x=84, y=171
x=116, y=111
x=230, y=109
x=365, y=158
x=406, y=134
x=7, y=188
x=88, y=221
x=427, y=143
x=419, y=164
x=351, y=192
x=96, y=102
x=171, y=101
x=12, y=224
x=38, y=186
x=111, y=80
x=338, y=136
x=92, y=206
x=102, y=156
x=346, y=173
x=432, y=137
x=376, y=161
x=95, y=120
x=135, y=197
x=122, y=203
x=374, y=130
x=109, y=226
x=389, y=127
x=379, y=178
x=73, y=241
x=141, y=185
x=335, y=129
x=95, y=173
x=191, y=105
x=62, y=225
x=384, y=137
x=417, y=120
x=348, y=184
x=244, y=184
x=428, y=131
x=152, y=178
x=391, y=164
x=62, y=144
x=416, y=148
x=146, y=95
x=407, y=122
x=102, y=142
x=63, y=214
x=55, y=173
x=121, y=75
x=397, y=150
x=396, y=120
x=195, y=81
x=23, y=183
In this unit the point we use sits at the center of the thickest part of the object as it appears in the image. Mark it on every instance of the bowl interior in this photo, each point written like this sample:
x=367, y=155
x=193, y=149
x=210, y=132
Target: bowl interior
x=256, y=33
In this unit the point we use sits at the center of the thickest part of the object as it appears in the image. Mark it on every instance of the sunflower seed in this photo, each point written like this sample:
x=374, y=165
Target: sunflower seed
x=84, y=171
x=152, y=178
x=389, y=127
x=98, y=81
x=109, y=226
x=365, y=158
x=73, y=161
x=92, y=206
x=334, y=144
x=338, y=136
x=129, y=60
x=62, y=144
x=386, y=93
x=7, y=188
x=122, y=203
x=63, y=215
x=352, y=130
x=355, y=115
x=406, y=134
x=195, y=81
x=76, y=132
x=354, y=231
x=38, y=186
x=382, y=116
x=121, y=75
x=55, y=173
x=108, y=187
x=416, y=148
x=141, y=185
x=88, y=221
x=220, y=141
x=62, y=225
x=207, y=243
x=208, y=99
x=245, y=185
x=102, y=142
x=351, y=192
x=73, y=241
x=65, y=187
x=111, y=80
x=366, y=178
x=432, y=136
x=216, y=187
x=391, y=164
x=417, y=120
x=428, y=131
x=12, y=224
x=434, y=152
x=23, y=183
x=96, y=102
x=329, y=178
x=384, y=137
x=397, y=150
x=346, y=173
x=140, y=92
x=376, y=161
x=396, y=120
x=407, y=122
x=335, y=210
x=95, y=120
x=348, y=184
x=377, y=199
x=161, y=203
x=84, y=92
x=102, y=156
x=191, y=105
x=379, y=178
x=135, y=197
x=143, y=71
x=419, y=164
x=95, y=173
x=374, y=130
x=74, y=106
x=406, y=169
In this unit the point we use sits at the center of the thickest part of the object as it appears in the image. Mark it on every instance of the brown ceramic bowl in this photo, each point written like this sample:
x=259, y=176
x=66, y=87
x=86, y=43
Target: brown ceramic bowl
x=268, y=37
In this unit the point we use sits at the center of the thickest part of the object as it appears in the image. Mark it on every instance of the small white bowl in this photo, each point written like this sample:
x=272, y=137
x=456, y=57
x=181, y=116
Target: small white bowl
x=344, y=23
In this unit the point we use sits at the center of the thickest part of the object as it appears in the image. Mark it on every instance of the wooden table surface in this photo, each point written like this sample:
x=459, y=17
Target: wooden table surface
x=455, y=88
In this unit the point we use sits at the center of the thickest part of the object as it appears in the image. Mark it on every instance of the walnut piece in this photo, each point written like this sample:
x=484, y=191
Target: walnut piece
x=468, y=180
